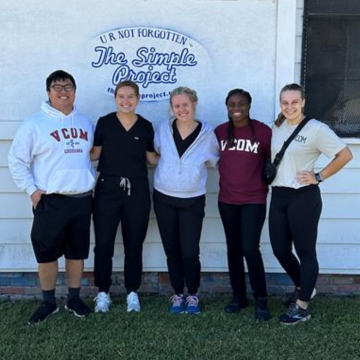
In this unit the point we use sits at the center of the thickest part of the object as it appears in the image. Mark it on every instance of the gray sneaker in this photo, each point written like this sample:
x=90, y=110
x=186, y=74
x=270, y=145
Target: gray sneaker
x=294, y=315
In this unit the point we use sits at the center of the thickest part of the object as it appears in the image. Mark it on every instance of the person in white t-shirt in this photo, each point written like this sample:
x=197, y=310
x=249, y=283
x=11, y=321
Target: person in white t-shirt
x=296, y=200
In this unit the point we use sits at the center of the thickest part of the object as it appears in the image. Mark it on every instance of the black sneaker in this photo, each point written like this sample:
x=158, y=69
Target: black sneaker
x=262, y=312
x=294, y=315
x=292, y=297
x=77, y=307
x=43, y=312
x=236, y=305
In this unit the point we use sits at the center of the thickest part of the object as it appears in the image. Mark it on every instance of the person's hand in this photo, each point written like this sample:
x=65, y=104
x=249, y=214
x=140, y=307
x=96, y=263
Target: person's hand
x=306, y=178
x=35, y=197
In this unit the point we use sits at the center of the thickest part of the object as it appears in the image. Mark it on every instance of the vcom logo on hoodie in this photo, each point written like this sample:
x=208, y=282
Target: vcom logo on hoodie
x=73, y=133
x=64, y=134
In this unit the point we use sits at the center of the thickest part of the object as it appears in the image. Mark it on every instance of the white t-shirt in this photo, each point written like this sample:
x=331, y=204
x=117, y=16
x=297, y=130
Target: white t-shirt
x=314, y=139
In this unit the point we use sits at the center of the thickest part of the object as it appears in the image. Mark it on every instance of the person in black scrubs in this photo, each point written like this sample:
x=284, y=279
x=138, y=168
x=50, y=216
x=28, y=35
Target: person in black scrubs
x=123, y=143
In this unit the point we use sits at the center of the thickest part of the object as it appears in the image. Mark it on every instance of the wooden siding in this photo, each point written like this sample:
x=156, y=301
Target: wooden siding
x=339, y=239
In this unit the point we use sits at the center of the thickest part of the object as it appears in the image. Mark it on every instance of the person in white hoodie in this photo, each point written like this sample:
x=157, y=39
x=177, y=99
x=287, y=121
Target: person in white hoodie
x=50, y=160
x=186, y=146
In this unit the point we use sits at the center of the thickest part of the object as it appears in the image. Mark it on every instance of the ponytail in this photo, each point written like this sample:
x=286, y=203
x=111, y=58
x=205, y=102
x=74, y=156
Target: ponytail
x=280, y=119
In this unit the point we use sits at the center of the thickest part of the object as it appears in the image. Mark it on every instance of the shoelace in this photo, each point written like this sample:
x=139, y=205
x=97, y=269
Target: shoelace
x=292, y=310
x=192, y=300
x=176, y=300
x=125, y=184
x=101, y=299
x=133, y=298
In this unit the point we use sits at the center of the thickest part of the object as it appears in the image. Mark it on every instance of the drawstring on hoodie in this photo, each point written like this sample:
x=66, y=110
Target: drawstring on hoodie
x=125, y=184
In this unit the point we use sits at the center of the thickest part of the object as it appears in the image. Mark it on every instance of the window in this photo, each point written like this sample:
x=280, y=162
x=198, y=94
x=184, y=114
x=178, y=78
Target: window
x=331, y=64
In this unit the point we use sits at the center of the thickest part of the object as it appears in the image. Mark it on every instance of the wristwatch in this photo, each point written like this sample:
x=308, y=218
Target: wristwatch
x=318, y=177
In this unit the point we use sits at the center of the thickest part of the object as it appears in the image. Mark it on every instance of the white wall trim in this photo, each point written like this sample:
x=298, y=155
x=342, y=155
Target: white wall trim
x=285, y=46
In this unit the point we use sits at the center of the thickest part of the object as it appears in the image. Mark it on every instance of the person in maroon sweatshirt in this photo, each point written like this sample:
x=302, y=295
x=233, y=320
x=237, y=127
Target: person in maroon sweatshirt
x=244, y=147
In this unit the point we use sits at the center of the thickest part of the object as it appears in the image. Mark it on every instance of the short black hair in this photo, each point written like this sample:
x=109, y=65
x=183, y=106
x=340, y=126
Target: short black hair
x=59, y=75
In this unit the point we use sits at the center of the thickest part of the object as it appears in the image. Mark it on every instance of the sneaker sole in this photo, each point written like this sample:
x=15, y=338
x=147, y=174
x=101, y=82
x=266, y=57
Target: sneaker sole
x=39, y=322
x=74, y=312
x=296, y=322
x=177, y=312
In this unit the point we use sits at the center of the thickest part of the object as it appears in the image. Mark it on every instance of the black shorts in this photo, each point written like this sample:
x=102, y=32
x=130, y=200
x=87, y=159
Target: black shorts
x=61, y=226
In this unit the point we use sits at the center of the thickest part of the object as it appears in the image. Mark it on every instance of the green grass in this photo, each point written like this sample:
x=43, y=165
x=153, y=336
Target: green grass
x=333, y=333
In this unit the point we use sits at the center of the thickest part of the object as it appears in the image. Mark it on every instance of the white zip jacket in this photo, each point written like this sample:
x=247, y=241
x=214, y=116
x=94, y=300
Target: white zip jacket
x=184, y=177
x=50, y=152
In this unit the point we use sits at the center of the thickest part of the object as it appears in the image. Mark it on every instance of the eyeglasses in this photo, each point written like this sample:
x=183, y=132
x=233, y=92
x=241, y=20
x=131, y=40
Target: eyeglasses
x=59, y=88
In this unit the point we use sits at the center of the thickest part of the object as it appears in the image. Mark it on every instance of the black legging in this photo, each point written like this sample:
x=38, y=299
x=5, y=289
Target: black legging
x=294, y=217
x=113, y=205
x=242, y=225
x=180, y=222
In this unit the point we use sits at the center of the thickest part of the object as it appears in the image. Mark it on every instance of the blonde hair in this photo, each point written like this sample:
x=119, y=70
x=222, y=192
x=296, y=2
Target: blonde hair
x=184, y=90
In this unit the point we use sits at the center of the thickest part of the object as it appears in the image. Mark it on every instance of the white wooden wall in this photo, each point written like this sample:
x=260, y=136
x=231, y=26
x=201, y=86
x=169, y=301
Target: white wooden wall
x=339, y=232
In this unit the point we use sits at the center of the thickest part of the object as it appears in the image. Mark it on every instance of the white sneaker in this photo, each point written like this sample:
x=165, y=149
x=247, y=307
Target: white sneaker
x=133, y=303
x=103, y=302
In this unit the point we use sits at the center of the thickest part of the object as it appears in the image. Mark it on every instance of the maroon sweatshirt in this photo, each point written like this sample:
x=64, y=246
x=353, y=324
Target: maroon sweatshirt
x=241, y=164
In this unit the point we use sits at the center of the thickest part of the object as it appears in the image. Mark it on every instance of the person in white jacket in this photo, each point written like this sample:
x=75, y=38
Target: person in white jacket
x=186, y=146
x=50, y=160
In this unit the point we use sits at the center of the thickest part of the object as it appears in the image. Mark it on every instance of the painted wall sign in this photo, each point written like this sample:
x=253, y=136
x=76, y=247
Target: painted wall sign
x=158, y=60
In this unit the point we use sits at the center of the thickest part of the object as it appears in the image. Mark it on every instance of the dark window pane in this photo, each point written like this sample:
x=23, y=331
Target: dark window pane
x=331, y=64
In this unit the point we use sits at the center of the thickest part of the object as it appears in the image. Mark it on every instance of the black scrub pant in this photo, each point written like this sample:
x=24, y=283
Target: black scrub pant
x=113, y=205
x=293, y=219
x=243, y=225
x=180, y=222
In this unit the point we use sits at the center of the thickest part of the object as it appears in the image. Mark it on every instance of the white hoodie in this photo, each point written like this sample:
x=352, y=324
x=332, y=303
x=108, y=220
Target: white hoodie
x=184, y=177
x=50, y=152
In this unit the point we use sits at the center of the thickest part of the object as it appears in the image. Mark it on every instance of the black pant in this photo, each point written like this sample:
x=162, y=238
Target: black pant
x=242, y=225
x=180, y=223
x=294, y=217
x=112, y=204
